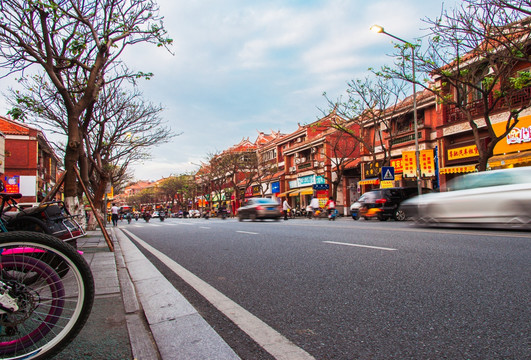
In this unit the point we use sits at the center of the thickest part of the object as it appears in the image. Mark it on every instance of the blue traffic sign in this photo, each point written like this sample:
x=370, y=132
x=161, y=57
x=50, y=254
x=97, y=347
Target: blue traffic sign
x=388, y=173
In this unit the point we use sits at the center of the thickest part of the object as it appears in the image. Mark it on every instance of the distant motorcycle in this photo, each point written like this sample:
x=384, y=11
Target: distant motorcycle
x=147, y=216
x=162, y=216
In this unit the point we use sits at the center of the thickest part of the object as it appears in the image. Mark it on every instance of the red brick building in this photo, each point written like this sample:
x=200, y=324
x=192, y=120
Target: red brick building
x=31, y=165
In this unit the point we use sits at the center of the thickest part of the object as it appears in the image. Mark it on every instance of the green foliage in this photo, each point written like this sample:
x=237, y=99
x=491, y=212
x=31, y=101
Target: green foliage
x=17, y=114
x=521, y=80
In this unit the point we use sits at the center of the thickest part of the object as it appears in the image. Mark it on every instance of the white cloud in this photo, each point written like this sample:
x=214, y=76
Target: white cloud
x=242, y=66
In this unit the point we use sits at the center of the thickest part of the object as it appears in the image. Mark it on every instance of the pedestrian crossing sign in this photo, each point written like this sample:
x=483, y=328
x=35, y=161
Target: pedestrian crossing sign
x=388, y=173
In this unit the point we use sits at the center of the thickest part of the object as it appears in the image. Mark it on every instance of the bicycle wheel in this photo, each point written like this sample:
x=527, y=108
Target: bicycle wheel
x=40, y=311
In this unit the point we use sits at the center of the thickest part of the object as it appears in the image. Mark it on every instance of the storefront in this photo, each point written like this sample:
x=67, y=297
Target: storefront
x=515, y=149
x=301, y=190
x=459, y=158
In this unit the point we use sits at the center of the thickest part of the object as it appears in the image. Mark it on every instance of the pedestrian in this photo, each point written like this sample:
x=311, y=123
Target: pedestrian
x=115, y=210
x=330, y=205
x=286, y=208
x=314, y=204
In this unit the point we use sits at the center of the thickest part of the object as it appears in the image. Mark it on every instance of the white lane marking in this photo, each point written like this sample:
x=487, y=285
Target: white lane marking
x=358, y=245
x=267, y=337
x=247, y=232
x=204, y=227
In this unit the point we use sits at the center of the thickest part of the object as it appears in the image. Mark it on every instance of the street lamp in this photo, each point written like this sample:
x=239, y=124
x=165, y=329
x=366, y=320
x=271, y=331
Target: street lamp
x=380, y=30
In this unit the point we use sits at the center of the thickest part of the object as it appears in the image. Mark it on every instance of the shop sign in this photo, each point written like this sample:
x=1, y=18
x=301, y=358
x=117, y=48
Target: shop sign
x=409, y=163
x=306, y=180
x=386, y=184
x=463, y=152
x=256, y=190
x=519, y=135
x=372, y=169
x=309, y=180
x=12, y=184
x=321, y=186
x=427, y=163
x=275, y=187
x=397, y=164
x=518, y=139
x=293, y=184
x=249, y=191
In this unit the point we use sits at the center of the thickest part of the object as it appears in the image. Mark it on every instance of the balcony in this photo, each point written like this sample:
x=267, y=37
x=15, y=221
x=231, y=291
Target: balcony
x=452, y=114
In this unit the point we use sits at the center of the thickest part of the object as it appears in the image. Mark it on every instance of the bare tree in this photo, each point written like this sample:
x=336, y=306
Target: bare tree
x=124, y=127
x=373, y=109
x=77, y=43
x=341, y=152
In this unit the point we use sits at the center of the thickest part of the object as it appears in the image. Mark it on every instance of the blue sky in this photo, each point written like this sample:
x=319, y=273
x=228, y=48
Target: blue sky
x=240, y=66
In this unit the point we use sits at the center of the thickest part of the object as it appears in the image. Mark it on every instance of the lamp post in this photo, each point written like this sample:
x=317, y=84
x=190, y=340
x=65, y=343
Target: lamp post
x=380, y=30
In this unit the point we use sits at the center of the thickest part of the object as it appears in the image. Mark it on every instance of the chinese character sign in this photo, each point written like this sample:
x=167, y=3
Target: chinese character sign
x=12, y=184
x=397, y=164
x=409, y=164
x=427, y=164
x=463, y=152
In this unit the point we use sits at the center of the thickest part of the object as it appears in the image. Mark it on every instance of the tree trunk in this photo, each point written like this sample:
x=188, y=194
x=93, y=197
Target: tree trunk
x=71, y=159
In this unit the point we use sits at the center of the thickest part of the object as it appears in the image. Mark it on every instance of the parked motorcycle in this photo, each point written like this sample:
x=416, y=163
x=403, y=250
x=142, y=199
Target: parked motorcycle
x=50, y=218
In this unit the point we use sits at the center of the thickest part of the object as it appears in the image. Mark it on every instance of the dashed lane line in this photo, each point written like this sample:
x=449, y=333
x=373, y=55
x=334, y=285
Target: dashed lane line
x=247, y=232
x=359, y=245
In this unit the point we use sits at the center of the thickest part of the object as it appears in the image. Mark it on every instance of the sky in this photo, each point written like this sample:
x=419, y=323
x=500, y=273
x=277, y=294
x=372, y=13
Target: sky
x=240, y=67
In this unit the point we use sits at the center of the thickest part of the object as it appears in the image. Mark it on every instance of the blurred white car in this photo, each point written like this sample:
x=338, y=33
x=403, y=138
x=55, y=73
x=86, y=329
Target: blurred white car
x=194, y=213
x=498, y=198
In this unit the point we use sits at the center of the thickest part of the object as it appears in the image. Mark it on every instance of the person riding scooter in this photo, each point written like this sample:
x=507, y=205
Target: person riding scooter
x=162, y=215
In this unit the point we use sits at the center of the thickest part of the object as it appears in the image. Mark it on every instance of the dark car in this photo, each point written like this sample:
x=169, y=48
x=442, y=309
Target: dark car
x=383, y=203
x=259, y=208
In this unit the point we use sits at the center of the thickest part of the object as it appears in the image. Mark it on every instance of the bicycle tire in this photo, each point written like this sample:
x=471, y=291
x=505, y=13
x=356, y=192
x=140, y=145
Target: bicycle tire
x=51, y=310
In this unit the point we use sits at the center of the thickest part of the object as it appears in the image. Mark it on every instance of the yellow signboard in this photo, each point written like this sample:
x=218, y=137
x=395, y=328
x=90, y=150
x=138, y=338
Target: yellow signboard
x=463, y=152
x=427, y=164
x=519, y=139
x=409, y=164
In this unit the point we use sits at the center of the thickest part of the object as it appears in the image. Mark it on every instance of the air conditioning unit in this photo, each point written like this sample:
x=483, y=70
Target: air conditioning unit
x=314, y=150
x=297, y=161
x=315, y=163
x=292, y=169
x=299, y=139
x=303, y=159
x=322, y=163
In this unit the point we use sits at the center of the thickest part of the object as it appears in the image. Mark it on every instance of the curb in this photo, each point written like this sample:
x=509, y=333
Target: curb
x=178, y=330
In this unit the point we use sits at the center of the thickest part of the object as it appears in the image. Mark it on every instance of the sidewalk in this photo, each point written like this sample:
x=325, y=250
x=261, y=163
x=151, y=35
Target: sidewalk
x=137, y=313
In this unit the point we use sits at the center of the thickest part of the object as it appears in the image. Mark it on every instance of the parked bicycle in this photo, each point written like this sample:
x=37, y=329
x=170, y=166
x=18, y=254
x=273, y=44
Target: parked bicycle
x=46, y=293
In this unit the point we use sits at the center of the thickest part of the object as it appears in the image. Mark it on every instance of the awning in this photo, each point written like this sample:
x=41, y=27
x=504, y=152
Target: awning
x=372, y=181
x=509, y=159
x=307, y=191
x=457, y=169
x=302, y=191
x=286, y=193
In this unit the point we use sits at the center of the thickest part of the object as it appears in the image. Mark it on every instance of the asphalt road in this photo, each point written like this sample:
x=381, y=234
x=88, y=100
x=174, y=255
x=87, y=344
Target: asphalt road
x=359, y=290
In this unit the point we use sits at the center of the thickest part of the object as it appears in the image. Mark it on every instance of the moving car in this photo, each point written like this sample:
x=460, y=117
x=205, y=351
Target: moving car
x=497, y=198
x=383, y=203
x=259, y=208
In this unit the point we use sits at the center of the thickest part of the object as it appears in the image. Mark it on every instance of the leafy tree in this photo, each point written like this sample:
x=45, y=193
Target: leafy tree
x=77, y=44
x=473, y=54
